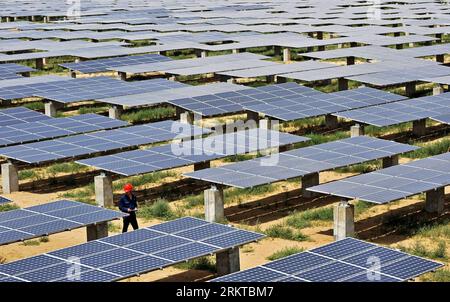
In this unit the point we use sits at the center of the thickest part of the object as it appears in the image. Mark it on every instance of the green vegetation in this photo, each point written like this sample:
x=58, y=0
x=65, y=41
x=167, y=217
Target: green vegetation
x=85, y=194
x=285, y=252
x=420, y=250
x=149, y=114
x=194, y=201
x=203, y=264
x=284, y=232
x=431, y=149
x=239, y=195
x=437, y=230
x=442, y=275
x=362, y=206
x=300, y=220
x=70, y=168
x=8, y=207
x=159, y=209
x=29, y=174
x=31, y=243
x=361, y=168
x=113, y=228
x=44, y=239
x=92, y=109
x=322, y=138
x=34, y=105
x=145, y=179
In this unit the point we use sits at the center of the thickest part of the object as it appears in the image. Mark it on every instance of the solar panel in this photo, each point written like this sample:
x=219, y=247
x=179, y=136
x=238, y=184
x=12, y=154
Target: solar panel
x=102, y=65
x=50, y=218
x=4, y=200
x=347, y=260
x=20, y=115
x=301, y=162
x=109, y=140
x=393, y=183
x=400, y=112
x=52, y=128
x=445, y=119
x=121, y=256
x=190, y=152
x=13, y=71
x=84, y=89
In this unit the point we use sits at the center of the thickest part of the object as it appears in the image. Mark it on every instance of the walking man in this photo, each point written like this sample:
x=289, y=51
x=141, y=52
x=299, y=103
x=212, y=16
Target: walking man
x=128, y=204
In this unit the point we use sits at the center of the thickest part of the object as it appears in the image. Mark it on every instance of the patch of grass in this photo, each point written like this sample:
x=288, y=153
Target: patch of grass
x=441, y=229
x=143, y=179
x=203, y=264
x=31, y=243
x=284, y=232
x=8, y=207
x=239, y=157
x=85, y=194
x=442, y=275
x=44, y=239
x=321, y=138
x=34, y=106
x=92, y=109
x=377, y=131
x=362, y=206
x=430, y=149
x=300, y=220
x=28, y=174
x=239, y=195
x=194, y=201
x=159, y=209
x=70, y=168
x=421, y=250
x=285, y=252
x=361, y=168
x=113, y=228
x=149, y=114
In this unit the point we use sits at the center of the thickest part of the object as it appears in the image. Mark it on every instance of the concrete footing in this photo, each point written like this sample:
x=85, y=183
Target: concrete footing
x=40, y=63
x=390, y=161
x=203, y=165
x=115, y=112
x=214, y=200
x=331, y=121
x=97, y=231
x=187, y=118
x=420, y=127
x=122, y=75
x=10, y=178
x=286, y=55
x=434, y=202
x=103, y=190
x=342, y=84
x=356, y=130
x=437, y=90
x=51, y=108
x=350, y=60
x=344, y=220
x=309, y=181
x=440, y=58
x=228, y=262
x=265, y=124
x=253, y=116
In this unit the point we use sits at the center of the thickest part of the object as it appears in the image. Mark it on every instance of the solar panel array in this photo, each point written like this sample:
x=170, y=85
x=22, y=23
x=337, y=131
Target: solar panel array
x=13, y=71
x=393, y=183
x=347, y=260
x=190, y=152
x=4, y=200
x=50, y=218
x=58, y=127
x=445, y=119
x=102, y=65
x=76, y=90
x=14, y=116
x=127, y=255
x=87, y=144
x=400, y=112
x=301, y=162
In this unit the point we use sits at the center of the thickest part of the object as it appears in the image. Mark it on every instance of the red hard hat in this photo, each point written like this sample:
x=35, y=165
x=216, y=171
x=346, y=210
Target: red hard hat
x=128, y=188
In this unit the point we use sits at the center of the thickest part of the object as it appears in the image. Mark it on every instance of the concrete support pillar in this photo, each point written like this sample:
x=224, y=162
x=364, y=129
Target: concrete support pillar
x=277, y=50
x=434, y=202
x=420, y=127
x=390, y=161
x=201, y=53
x=270, y=79
x=202, y=166
x=10, y=178
x=265, y=124
x=399, y=46
x=440, y=58
x=344, y=220
x=115, y=112
x=231, y=81
x=40, y=63
x=187, y=118
x=309, y=181
x=162, y=53
x=350, y=60
x=356, y=130
x=253, y=116
x=103, y=190
x=51, y=108
x=97, y=231
x=410, y=89
x=122, y=75
x=228, y=262
x=172, y=78
x=286, y=55
x=280, y=79
x=438, y=90
x=73, y=74
x=26, y=74
x=214, y=201
x=342, y=84
x=331, y=121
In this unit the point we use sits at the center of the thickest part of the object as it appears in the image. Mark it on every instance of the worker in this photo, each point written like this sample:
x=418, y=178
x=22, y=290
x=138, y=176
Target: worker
x=128, y=204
